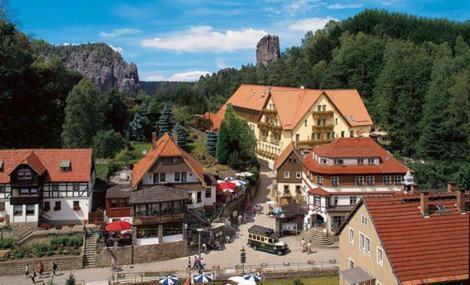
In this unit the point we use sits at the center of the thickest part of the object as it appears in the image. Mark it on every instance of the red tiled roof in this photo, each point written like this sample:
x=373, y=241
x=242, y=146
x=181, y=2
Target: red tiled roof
x=285, y=154
x=353, y=147
x=422, y=250
x=319, y=191
x=165, y=147
x=214, y=118
x=47, y=162
x=293, y=103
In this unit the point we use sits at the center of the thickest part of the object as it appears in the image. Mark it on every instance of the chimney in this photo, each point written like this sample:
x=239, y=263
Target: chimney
x=424, y=204
x=450, y=187
x=460, y=193
x=154, y=139
x=414, y=189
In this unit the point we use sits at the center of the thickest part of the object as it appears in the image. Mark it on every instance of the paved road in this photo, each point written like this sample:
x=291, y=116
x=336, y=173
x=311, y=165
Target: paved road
x=228, y=258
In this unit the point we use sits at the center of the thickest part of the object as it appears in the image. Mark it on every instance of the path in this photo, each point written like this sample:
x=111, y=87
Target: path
x=227, y=258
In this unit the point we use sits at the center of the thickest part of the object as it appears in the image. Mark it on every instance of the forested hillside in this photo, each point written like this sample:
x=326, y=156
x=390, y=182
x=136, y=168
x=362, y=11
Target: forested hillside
x=413, y=73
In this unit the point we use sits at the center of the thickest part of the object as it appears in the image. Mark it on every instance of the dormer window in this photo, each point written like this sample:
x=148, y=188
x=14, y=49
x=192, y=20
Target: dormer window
x=24, y=174
x=323, y=161
x=339, y=162
x=65, y=165
x=360, y=161
x=371, y=161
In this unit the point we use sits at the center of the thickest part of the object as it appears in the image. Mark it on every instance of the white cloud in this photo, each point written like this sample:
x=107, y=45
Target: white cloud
x=291, y=7
x=187, y=76
x=118, y=49
x=205, y=39
x=119, y=32
x=154, y=77
x=337, y=6
x=309, y=24
x=220, y=63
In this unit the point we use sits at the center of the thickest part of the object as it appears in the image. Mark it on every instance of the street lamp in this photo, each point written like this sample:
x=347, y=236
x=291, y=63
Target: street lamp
x=199, y=230
x=243, y=259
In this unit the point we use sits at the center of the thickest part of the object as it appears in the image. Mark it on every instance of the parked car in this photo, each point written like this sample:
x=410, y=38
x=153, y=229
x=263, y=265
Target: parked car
x=265, y=239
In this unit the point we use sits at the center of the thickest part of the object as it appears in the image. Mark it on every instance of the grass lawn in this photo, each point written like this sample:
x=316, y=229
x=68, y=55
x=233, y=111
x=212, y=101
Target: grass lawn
x=317, y=280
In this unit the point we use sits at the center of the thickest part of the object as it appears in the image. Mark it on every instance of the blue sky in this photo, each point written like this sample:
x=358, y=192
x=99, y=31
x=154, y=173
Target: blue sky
x=180, y=40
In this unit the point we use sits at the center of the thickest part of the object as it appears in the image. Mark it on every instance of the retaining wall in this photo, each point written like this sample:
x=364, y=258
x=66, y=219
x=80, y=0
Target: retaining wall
x=15, y=267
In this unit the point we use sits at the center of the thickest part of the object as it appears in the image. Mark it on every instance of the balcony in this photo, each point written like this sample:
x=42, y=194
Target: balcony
x=24, y=200
x=266, y=154
x=163, y=218
x=269, y=111
x=322, y=128
x=268, y=125
x=118, y=212
x=274, y=141
x=323, y=114
x=314, y=142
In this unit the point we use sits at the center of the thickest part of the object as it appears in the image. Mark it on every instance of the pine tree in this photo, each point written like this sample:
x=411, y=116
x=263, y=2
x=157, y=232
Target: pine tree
x=82, y=115
x=166, y=122
x=181, y=136
x=211, y=142
x=140, y=124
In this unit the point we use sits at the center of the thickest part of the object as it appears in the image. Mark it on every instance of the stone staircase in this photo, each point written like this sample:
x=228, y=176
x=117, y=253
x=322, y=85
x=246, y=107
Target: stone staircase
x=198, y=216
x=90, y=249
x=317, y=237
x=23, y=236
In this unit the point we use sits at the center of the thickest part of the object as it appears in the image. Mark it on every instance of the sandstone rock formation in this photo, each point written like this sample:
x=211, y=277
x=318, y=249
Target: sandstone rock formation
x=97, y=62
x=267, y=50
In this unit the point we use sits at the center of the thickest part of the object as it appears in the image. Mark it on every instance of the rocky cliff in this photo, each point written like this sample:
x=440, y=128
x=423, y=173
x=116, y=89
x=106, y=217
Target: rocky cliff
x=97, y=62
x=267, y=50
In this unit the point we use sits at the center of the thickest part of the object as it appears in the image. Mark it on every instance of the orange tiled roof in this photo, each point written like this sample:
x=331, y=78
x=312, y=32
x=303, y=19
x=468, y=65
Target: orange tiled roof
x=293, y=103
x=285, y=154
x=319, y=191
x=165, y=147
x=214, y=118
x=422, y=250
x=353, y=147
x=47, y=162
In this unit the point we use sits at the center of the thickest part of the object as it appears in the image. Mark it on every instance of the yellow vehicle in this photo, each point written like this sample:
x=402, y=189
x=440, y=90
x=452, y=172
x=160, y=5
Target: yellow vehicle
x=265, y=239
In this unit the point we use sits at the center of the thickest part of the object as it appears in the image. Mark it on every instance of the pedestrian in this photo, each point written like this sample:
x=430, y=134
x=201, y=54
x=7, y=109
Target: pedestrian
x=227, y=239
x=113, y=263
x=204, y=248
x=26, y=271
x=33, y=276
x=302, y=244
x=40, y=268
x=189, y=263
x=309, y=245
x=54, y=267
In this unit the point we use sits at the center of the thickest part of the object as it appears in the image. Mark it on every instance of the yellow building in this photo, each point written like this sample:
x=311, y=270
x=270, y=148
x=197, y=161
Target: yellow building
x=279, y=116
x=407, y=239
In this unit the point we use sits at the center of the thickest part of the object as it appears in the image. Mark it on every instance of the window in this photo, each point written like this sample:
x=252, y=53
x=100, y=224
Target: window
x=364, y=220
x=335, y=200
x=24, y=192
x=397, y=179
x=370, y=180
x=297, y=137
x=360, y=161
x=190, y=199
x=2, y=206
x=114, y=203
x=2, y=188
x=199, y=197
x=18, y=210
x=24, y=174
x=76, y=205
x=359, y=180
x=371, y=161
x=57, y=206
x=365, y=244
x=342, y=134
x=123, y=203
x=305, y=123
x=319, y=108
x=286, y=189
x=380, y=256
x=387, y=180
x=319, y=180
x=351, y=263
x=318, y=136
x=177, y=176
x=351, y=235
x=29, y=210
x=336, y=121
x=76, y=187
x=352, y=200
x=316, y=200
x=286, y=174
x=208, y=192
x=297, y=189
x=338, y=161
x=324, y=107
x=47, y=206
x=298, y=174
x=335, y=181
x=328, y=135
x=323, y=161
x=351, y=134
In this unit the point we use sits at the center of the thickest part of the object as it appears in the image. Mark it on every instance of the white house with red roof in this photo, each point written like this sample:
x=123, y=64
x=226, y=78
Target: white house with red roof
x=53, y=186
x=338, y=174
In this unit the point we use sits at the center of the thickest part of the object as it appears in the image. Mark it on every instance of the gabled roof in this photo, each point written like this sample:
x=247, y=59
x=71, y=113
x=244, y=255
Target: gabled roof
x=285, y=154
x=164, y=147
x=420, y=250
x=47, y=162
x=293, y=103
x=214, y=118
x=353, y=147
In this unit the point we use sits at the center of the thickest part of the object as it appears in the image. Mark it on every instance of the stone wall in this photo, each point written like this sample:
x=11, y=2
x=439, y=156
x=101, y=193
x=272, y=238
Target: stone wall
x=44, y=236
x=16, y=229
x=142, y=253
x=18, y=266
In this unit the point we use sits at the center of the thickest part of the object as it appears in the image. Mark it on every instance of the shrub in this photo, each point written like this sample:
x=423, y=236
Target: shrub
x=75, y=242
x=70, y=280
x=297, y=281
x=17, y=253
x=41, y=249
x=6, y=243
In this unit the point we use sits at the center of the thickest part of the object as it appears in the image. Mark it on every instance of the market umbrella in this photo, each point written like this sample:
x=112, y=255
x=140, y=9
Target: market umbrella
x=229, y=178
x=244, y=174
x=226, y=186
x=118, y=226
x=169, y=280
x=277, y=211
x=203, y=278
x=271, y=203
x=252, y=277
x=239, y=183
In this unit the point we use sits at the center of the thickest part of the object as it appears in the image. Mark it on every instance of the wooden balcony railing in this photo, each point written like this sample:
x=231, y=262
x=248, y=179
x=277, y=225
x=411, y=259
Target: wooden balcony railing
x=268, y=125
x=118, y=212
x=320, y=128
x=323, y=114
x=314, y=142
x=138, y=220
x=269, y=111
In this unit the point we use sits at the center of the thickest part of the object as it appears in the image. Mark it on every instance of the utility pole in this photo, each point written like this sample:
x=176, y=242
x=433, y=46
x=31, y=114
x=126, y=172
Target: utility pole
x=199, y=232
x=243, y=259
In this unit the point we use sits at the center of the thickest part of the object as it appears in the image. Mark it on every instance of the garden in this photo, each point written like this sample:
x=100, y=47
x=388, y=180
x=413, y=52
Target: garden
x=67, y=245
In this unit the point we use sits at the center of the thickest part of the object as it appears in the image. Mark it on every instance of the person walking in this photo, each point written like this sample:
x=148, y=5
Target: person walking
x=309, y=245
x=26, y=271
x=302, y=244
x=33, y=276
x=189, y=263
x=113, y=263
x=40, y=268
x=54, y=268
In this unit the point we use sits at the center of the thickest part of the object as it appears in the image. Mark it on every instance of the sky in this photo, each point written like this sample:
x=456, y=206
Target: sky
x=182, y=39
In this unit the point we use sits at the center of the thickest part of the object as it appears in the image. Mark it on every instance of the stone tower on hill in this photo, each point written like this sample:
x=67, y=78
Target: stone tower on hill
x=267, y=50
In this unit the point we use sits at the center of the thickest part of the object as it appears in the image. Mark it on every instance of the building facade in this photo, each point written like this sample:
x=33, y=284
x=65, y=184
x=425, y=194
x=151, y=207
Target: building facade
x=288, y=170
x=51, y=186
x=280, y=116
x=337, y=175
x=392, y=239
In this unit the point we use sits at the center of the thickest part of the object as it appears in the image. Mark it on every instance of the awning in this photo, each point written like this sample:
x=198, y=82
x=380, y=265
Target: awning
x=355, y=275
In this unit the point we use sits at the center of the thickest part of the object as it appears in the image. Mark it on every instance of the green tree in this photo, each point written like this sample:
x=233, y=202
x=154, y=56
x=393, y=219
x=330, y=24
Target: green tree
x=211, y=142
x=136, y=127
x=166, y=122
x=114, y=110
x=181, y=136
x=70, y=280
x=107, y=143
x=82, y=116
x=236, y=141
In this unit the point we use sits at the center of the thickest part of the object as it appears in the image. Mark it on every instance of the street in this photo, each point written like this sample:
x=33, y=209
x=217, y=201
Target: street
x=228, y=258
